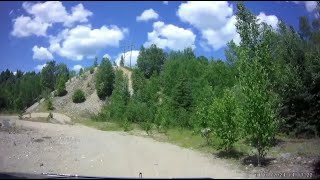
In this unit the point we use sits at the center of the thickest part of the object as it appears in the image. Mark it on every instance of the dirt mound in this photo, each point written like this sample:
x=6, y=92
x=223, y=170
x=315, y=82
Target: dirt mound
x=90, y=107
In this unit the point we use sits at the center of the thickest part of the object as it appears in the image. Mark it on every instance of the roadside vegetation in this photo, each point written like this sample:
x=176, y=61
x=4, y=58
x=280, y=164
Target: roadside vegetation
x=268, y=84
x=267, y=90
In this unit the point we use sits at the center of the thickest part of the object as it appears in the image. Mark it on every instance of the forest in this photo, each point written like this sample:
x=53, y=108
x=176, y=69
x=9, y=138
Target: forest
x=269, y=83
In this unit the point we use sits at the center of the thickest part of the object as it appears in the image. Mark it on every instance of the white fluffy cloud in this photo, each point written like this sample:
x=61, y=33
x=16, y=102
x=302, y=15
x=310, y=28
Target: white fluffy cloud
x=77, y=67
x=216, y=21
x=134, y=57
x=44, y=15
x=272, y=20
x=165, y=2
x=25, y=26
x=218, y=38
x=205, y=14
x=83, y=40
x=170, y=36
x=40, y=67
x=41, y=53
x=147, y=15
x=55, y=12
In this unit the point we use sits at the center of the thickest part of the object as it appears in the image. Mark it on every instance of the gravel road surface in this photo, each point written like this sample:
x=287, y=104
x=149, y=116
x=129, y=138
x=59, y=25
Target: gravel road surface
x=34, y=147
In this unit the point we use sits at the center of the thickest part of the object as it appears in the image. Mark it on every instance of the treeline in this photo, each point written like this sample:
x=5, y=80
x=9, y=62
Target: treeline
x=268, y=84
x=21, y=90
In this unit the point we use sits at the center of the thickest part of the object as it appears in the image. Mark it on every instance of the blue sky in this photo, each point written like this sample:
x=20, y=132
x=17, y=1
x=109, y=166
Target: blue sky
x=75, y=32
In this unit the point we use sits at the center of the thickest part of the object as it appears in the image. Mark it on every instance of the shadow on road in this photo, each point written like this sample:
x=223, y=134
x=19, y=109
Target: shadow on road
x=254, y=161
x=232, y=154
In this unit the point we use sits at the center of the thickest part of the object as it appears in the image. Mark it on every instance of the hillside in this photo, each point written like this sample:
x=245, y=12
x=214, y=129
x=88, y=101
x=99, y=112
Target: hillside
x=64, y=104
x=90, y=107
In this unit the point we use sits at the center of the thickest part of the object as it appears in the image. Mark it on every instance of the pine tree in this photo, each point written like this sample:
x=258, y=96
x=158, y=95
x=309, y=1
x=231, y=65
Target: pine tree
x=121, y=61
x=105, y=79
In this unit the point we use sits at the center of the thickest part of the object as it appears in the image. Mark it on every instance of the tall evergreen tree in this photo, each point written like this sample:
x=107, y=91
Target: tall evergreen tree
x=105, y=79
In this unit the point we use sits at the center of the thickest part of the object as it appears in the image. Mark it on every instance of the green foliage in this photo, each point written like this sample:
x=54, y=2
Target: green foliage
x=121, y=61
x=150, y=60
x=147, y=126
x=138, y=112
x=81, y=72
x=78, y=96
x=95, y=62
x=48, y=78
x=105, y=78
x=224, y=120
x=120, y=97
x=18, y=91
x=258, y=107
x=49, y=104
x=182, y=95
x=125, y=124
x=91, y=70
x=61, y=87
x=164, y=115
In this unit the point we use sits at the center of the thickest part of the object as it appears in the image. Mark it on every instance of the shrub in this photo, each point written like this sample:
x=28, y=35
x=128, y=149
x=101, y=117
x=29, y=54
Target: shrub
x=61, y=86
x=223, y=118
x=49, y=104
x=78, y=96
x=50, y=116
x=91, y=71
x=125, y=124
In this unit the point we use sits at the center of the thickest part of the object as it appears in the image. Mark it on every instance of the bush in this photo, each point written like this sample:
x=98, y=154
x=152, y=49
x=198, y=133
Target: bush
x=138, y=112
x=50, y=116
x=49, y=104
x=223, y=118
x=125, y=124
x=91, y=71
x=78, y=96
x=147, y=126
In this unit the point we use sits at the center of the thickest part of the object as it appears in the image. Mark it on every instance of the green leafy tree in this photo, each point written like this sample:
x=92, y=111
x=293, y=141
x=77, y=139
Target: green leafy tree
x=182, y=95
x=304, y=28
x=81, y=72
x=61, y=87
x=105, y=78
x=120, y=97
x=224, y=119
x=203, y=60
x=259, y=103
x=150, y=60
x=48, y=78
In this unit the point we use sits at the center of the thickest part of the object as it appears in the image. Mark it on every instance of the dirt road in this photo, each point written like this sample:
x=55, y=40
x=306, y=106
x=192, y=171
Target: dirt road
x=33, y=147
x=60, y=118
